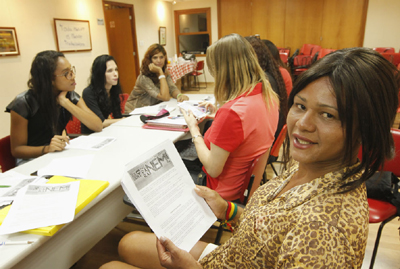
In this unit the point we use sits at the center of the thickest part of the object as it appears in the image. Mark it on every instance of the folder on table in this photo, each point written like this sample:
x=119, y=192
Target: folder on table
x=88, y=190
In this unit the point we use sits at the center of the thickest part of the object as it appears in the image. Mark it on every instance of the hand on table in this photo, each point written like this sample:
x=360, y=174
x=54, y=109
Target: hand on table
x=182, y=97
x=210, y=108
x=171, y=256
x=57, y=143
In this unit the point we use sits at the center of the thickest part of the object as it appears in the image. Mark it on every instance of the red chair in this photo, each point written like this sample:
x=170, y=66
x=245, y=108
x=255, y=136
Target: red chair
x=324, y=52
x=392, y=57
x=7, y=161
x=381, y=211
x=301, y=61
x=74, y=127
x=284, y=54
x=253, y=180
x=124, y=98
x=274, y=154
x=196, y=73
x=384, y=49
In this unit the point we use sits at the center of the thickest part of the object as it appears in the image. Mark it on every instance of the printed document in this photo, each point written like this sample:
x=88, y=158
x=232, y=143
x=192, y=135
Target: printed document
x=41, y=205
x=90, y=142
x=198, y=111
x=162, y=190
x=151, y=110
x=11, y=182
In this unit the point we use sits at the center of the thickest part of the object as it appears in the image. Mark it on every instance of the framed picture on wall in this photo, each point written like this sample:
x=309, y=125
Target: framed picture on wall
x=162, y=36
x=8, y=42
x=72, y=35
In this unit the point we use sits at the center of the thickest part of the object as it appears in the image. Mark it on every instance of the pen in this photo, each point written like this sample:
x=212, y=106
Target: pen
x=5, y=186
x=16, y=243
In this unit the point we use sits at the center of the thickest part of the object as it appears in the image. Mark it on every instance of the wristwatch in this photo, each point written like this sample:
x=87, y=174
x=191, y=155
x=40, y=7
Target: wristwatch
x=194, y=137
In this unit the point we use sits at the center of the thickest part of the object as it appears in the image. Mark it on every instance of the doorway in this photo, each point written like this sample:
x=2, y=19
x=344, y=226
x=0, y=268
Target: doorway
x=122, y=44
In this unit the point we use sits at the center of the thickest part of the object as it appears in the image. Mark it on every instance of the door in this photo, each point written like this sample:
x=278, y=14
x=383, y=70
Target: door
x=121, y=36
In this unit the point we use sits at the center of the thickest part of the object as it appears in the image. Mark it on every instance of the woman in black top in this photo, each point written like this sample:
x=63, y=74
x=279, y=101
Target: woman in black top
x=39, y=115
x=102, y=96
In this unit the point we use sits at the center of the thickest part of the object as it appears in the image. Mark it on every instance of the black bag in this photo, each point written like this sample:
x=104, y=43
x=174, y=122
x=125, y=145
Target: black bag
x=384, y=187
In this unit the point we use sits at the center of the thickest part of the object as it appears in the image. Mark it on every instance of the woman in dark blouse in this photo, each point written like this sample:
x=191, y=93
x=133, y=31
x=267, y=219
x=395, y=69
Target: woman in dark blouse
x=39, y=115
x=102, y=96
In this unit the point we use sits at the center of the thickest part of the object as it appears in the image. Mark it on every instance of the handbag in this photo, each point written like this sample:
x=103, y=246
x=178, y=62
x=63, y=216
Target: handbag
x=384, y=186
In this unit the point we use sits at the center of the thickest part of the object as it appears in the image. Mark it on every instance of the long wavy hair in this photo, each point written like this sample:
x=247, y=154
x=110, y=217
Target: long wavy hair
x=107, y=104
x=234, y=65
x=366, y=87
x=275, y=53
x=151, y=51
x=268, y=64
x=41, y=84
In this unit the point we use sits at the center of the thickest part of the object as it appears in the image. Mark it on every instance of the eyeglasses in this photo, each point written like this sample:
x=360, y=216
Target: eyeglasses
x=68, y=74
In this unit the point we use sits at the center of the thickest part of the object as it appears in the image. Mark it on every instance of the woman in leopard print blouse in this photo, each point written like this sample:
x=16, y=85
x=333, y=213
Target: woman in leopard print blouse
x=315, y=215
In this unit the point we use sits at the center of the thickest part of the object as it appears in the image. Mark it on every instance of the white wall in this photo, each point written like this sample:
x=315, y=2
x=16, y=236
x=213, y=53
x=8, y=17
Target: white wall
x=214, y=25
x=382, y=26
x=33, y=20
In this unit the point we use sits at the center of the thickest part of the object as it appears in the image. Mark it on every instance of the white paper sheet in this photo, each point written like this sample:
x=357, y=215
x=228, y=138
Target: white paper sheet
x=41, y=205
x=15, y=181
x=198, y=112
x=90, y=142
x=162, y=189
x=151, y=110
x=76, y=167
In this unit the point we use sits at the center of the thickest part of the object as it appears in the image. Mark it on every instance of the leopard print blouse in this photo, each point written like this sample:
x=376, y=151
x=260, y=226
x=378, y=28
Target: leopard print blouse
x=309, y=226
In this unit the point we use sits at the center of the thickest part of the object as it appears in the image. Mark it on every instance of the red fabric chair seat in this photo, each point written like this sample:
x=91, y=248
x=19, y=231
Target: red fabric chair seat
x=7, y=161
x=380, y=210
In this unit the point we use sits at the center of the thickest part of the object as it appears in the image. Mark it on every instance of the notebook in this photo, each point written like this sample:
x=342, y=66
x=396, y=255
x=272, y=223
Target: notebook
x=88, y=190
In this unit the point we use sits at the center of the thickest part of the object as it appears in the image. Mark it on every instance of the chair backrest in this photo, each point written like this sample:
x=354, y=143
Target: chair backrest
x=7, y=161
x=396, y=58
x=73, y=126
x=306, y=49
x=384, y=49
x=254, y=177
x=391, y=165
x=284, y=57
x=124, y=98
x=315, y=49
x=324, y=52
x=278, y=142
x=200, y=65
x=394, y=164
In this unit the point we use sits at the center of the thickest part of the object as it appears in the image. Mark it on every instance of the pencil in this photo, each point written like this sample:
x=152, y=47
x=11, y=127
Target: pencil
x=16, y=243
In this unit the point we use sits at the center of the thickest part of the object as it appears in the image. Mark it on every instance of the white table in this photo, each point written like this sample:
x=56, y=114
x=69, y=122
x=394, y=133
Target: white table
x=100, y=216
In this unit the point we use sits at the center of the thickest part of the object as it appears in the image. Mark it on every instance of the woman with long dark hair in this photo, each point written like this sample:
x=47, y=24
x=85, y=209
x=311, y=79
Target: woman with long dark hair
x=282, y=67
x=271, y=69
x=39, y=115
x=102, y=95
x=154, y=84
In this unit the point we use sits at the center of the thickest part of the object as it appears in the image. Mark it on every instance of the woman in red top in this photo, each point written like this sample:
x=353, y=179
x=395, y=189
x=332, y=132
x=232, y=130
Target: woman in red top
x=245, y=123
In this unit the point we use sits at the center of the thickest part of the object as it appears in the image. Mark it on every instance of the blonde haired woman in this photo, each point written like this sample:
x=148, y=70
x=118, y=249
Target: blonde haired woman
x=245, y=123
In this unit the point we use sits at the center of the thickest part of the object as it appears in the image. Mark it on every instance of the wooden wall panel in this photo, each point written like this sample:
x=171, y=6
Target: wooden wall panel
x=268, y=20
x=234, y=17
x=343, y=23
x=303, y=23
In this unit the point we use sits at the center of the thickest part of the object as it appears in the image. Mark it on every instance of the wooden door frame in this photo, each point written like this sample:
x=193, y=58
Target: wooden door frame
x=133, y=28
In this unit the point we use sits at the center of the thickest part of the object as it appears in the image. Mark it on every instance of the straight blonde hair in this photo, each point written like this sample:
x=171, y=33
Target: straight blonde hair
x=234, y=65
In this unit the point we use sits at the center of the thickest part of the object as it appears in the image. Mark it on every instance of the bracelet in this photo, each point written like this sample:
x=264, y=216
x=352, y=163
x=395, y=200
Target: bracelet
x=178, y=95
x=160, y=77
x=194, y=137
x=231, y=211
x=43, y=149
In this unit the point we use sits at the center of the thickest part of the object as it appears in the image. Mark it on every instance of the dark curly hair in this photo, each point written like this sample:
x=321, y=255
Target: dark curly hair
x=107, y=104
x=275, y=53
x=366, y=87
x=41, y=84
x=151, y=51
x=268, y=64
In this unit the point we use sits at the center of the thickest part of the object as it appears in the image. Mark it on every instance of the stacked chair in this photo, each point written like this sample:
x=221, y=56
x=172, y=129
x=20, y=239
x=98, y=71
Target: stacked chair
x=302, y=59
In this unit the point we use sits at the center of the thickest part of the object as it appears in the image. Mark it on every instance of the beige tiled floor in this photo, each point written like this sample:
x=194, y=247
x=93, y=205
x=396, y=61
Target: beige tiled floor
x=388, y=255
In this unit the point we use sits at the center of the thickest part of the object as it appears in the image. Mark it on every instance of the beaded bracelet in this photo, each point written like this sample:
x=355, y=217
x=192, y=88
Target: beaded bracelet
x=231, y=211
